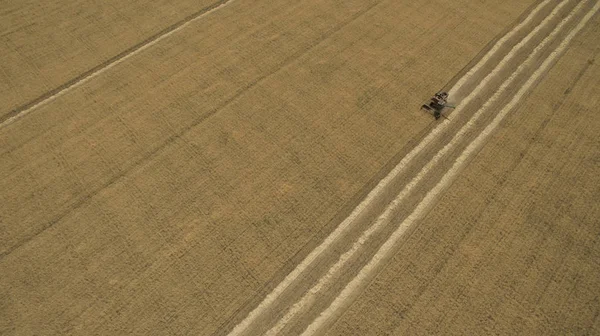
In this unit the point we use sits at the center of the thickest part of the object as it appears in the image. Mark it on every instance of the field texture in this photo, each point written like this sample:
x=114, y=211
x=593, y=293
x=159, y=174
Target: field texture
x=262, y=167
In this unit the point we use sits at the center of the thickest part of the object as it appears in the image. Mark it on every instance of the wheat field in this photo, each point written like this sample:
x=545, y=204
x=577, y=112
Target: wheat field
x=263, y=167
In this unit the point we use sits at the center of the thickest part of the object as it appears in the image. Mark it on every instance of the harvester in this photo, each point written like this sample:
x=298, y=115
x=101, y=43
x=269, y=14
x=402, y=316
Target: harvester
x=438, y=102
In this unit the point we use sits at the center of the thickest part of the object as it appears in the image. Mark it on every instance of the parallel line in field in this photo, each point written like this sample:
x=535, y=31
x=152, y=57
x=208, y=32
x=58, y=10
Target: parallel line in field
x=461, y=82
x=371, y=197
x=385, y=218
x=504, y=62
x=25, y=109
x=385, y=251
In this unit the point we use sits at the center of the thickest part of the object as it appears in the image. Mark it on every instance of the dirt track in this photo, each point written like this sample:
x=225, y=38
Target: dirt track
x=175, y=190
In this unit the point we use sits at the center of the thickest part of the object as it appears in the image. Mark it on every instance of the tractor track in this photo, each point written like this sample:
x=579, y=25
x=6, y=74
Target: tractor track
x=24, y=109
x=324, y=284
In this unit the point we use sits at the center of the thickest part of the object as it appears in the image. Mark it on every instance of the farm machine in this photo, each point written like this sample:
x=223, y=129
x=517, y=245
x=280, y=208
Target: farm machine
x=438, y=102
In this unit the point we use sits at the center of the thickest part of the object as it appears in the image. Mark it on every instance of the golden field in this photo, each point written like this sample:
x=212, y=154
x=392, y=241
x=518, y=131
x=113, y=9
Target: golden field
x=165, y=165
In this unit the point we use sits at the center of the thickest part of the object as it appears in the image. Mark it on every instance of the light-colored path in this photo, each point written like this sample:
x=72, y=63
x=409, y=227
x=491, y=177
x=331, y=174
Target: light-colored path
x=373, y=198
x=384, y=253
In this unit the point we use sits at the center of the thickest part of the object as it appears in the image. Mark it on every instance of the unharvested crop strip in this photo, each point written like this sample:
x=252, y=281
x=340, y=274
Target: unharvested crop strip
x=349, y=292
x=372, y=196
x=23, y=110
